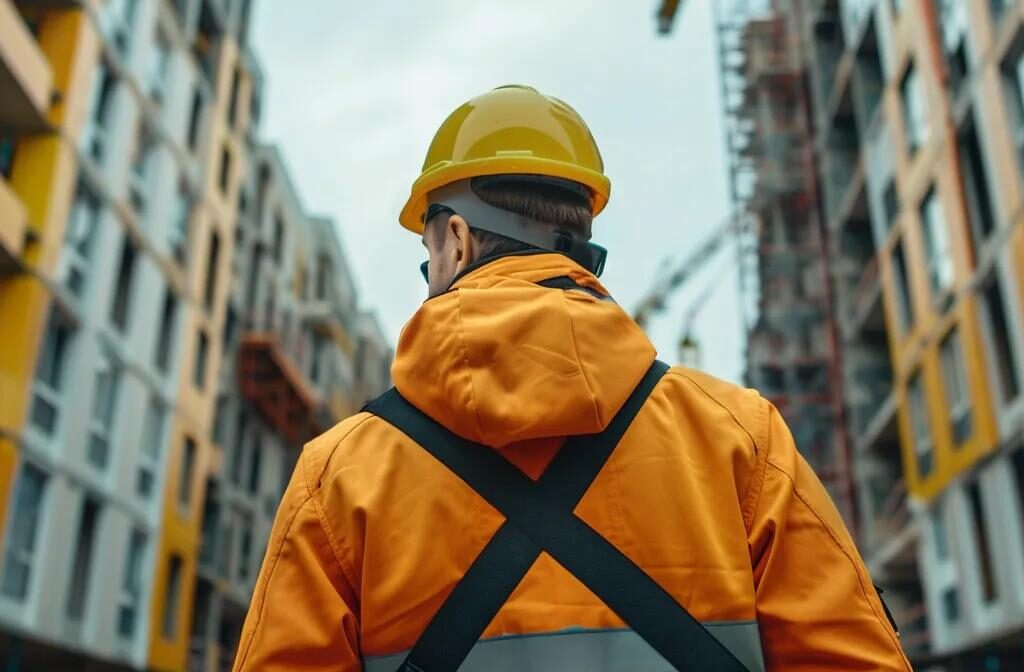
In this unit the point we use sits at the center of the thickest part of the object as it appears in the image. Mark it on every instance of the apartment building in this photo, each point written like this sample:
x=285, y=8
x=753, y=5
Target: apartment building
x=918, y=116
x=139, y=377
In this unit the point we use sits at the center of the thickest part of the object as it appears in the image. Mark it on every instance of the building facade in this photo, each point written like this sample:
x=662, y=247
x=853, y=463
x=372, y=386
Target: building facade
x=925, y=101
x=917, y=114
x=174, y=328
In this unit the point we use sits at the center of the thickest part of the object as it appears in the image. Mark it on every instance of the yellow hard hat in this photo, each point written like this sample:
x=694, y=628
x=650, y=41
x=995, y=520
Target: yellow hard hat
x=510, y=130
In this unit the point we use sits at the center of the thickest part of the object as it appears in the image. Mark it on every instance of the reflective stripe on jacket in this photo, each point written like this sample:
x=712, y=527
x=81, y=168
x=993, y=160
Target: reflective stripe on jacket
x=706, y=493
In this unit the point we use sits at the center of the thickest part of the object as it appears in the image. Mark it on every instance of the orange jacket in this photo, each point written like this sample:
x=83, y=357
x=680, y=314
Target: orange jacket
x=706, y=492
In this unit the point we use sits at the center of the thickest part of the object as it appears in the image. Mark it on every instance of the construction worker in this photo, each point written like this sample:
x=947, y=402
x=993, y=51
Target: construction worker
x=538, y=492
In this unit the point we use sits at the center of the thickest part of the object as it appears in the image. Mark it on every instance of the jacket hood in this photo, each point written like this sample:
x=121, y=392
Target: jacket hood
x=500, y=359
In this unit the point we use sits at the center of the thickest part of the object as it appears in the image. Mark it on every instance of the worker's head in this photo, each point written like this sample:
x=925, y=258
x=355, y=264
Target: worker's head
x=531, y=216
x=511, y=171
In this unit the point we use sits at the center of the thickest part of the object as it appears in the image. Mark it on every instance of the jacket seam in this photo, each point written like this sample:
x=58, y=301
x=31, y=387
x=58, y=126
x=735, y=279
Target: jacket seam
x=882, y=620
x=469, y=368
x=583, y=369
x=266, y=582
x=330, y=454
x=753, y=489
x=337, y=546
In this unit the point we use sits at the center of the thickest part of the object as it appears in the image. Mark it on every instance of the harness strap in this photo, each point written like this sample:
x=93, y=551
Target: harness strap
x=539, y=516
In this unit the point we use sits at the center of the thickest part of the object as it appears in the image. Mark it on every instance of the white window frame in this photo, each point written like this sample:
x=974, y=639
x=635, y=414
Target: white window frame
x=914, y=108
x=941, y=273
x=82, y=231
x=919, y=422
x=130, y=592
x=23, y=556
x=102, y=428
x=955, y=383
x=151, y=448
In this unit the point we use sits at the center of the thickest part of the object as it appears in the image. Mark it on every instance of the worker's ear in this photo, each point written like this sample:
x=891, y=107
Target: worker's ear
x=462, y=245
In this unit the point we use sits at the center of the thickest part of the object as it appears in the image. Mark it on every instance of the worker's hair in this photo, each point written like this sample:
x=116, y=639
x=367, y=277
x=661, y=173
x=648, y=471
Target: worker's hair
x=559, y=207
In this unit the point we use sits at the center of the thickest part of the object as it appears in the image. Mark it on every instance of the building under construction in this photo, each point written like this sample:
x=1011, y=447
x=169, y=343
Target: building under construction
x=877, y=147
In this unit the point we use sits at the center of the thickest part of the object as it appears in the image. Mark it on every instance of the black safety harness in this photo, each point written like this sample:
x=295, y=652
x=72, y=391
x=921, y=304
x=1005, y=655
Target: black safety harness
x=539, y=517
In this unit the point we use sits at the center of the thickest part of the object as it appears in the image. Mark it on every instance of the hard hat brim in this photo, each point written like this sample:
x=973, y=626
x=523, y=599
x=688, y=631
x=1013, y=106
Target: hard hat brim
x=446, y=172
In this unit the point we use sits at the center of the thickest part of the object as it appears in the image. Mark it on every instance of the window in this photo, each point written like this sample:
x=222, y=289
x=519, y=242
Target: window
x=1002, y=349
x=202, y=355
x=131, y=586
x=177, y=235
x=8, y=145
x=937, y=247
x=81, y=568
x=245, y=545
x=998, y=9
x=891, y=203
x=142, y=161
x=225, y=169
x=106, y=389
x=238, y=449
x=1017, y=462
x=917, y=406
x=974, y=182
x=22, y=531
x=79, y=240
x=172, y=598
x=150, y=443
x=940, y=535
x=953, y=28
x=254, y=465
x=160, y=67
x=195, y=119
x=958, y=393
x=187, y=472
x=212, y=260
x=220, y=419
x=915, y=116
x=988, y=583
x=50, y=374
x=165, y=336
x=236, y=81
x=951, y=604
x=278, y=239
x=904, y=301
x=870, y=78
x=117, y=20
x=120, y=311
x=94, y=135
x=1012, y=73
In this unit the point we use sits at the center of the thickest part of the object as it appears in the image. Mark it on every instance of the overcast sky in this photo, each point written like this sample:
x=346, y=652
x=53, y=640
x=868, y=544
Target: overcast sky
x=355, y=90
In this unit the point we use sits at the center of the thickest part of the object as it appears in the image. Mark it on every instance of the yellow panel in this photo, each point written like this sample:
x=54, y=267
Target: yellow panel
x=42, y=178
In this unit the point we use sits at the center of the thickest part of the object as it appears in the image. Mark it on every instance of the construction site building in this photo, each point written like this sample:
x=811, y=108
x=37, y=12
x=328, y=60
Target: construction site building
x=879, y=146
x=174, y=327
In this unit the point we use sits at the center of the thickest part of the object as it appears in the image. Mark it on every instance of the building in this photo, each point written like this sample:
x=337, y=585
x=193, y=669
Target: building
x=174, y=328
x=881, y=141
x=925, y=100
x=792, y=346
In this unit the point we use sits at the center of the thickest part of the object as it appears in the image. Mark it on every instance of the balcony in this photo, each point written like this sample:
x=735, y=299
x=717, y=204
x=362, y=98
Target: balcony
x=13, y=228
x=329, y=319
x=276, y=387
x=26, y=79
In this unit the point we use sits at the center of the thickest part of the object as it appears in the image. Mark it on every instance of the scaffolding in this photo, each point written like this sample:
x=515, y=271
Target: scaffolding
x=782, y=260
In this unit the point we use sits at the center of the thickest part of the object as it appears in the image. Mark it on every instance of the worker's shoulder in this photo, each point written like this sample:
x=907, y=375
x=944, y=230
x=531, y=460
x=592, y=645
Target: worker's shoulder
x=745, y=406
x=320, y=453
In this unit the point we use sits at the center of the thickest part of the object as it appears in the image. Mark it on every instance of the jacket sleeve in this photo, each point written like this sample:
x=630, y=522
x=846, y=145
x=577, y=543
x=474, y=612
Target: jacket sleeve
x=816, y=606
x=302, y=616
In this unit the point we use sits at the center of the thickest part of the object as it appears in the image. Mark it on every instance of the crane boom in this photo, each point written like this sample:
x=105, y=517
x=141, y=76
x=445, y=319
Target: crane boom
x=654, y=301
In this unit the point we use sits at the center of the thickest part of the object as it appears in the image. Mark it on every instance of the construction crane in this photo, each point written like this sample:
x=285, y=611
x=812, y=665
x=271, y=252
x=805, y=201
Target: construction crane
x=689, y=352
x=667, y=283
